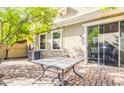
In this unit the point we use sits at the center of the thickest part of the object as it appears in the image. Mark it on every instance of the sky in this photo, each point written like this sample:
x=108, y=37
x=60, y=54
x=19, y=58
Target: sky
x=61, y=3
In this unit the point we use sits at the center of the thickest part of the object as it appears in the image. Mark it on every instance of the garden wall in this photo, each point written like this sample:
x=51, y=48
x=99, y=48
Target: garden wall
x=17, y=51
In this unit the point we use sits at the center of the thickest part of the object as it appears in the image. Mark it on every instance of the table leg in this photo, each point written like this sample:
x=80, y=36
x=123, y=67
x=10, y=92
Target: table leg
x=58, y=77
x=41, y=75
x=77, y=73
x=62, y=78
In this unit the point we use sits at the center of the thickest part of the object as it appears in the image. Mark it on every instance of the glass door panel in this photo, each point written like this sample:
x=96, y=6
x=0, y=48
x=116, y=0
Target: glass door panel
x=122, y=43
x=101, y=44
x=108, y=44
x=93, y=44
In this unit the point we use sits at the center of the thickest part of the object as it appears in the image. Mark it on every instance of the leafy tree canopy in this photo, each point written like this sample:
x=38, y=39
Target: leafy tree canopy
x=108, y=8
x=17, y=24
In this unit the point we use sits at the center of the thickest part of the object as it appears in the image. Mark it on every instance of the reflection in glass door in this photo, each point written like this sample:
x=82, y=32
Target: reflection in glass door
x=108, y=44
x=103, y=44
x=93, y=44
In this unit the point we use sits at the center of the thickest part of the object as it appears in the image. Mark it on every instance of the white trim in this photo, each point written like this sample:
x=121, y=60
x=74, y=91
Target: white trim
x=86, y=45
x=98, y=49
x=61, y=40
x=119, y=44
x=45, y=40
x=120, y=64
x=105, y=21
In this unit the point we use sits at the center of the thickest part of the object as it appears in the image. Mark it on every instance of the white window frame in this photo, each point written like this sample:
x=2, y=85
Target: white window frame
x=61, y=39
x=45, y=41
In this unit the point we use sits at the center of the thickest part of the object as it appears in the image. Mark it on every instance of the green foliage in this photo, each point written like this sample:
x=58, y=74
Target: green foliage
x=21, y=24
x=108, y=8
x=17, y=24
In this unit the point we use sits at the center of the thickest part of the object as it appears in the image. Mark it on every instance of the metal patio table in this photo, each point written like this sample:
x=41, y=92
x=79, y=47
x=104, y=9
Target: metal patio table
x=62, y=65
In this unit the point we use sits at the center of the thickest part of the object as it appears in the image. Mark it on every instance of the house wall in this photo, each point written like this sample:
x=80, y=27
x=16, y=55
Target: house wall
x=72, y=42
x=74, y=38
x=48, y=52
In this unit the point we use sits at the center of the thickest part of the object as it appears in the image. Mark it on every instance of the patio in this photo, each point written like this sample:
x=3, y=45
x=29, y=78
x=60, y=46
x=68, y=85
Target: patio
x=20, y=72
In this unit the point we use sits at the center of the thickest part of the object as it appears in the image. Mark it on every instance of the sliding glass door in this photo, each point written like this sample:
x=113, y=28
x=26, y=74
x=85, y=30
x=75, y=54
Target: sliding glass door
x=103, y=44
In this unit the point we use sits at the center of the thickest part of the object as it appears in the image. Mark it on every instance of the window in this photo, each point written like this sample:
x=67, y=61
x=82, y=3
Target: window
x=43, y=41
x=56, y=40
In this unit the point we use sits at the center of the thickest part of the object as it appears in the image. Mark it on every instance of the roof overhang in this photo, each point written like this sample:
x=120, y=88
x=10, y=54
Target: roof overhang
x=89, y=17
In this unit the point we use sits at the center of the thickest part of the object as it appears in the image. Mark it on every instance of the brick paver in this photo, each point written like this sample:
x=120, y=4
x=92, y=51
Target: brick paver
x=21, y=72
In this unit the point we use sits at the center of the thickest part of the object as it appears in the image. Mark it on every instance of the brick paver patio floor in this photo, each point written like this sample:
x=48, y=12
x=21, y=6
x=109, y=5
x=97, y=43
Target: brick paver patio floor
x=23, y=73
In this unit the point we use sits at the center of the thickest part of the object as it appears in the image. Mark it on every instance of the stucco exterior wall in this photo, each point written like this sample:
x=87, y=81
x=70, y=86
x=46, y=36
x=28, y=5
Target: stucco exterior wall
x=72, y=42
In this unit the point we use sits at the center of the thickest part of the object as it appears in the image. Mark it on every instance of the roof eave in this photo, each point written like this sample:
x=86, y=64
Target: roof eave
x=98, y=14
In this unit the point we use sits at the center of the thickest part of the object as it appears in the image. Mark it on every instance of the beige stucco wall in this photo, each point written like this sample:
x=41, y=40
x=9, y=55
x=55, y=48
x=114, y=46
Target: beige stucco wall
x=72, y=42
x=18, y=50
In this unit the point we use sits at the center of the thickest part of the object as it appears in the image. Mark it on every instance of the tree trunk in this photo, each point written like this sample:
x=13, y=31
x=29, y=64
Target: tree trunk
x=7, y=51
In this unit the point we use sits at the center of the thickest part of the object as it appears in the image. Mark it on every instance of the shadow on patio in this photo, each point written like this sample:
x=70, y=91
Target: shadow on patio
x=23, y=73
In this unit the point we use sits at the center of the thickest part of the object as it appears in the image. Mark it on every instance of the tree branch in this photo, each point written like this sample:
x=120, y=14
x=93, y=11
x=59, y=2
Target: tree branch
x=7, y=34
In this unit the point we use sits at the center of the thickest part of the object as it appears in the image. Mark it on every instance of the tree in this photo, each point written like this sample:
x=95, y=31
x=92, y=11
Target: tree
x=108, y=8
x=20, y=24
